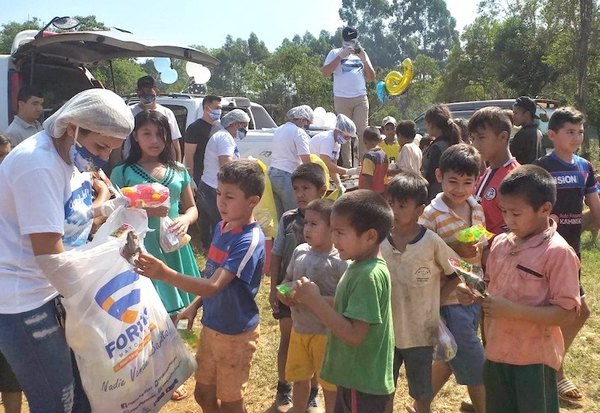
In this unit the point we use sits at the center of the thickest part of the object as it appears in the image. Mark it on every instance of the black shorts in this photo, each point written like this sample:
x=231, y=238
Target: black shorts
x=283, y=311
x=8, y=381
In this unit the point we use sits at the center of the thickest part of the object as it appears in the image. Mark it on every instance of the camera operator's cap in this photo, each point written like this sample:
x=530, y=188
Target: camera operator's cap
x=146, y=82
x=389, y=119
x=349, y=33
x=528, y=104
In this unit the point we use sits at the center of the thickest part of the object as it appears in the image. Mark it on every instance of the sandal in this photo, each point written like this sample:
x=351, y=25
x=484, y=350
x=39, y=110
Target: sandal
x=179, y=394
x=568, y=391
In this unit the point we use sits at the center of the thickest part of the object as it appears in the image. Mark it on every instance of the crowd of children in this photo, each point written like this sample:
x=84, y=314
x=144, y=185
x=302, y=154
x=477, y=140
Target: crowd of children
x=369, y=277
x=366, y=280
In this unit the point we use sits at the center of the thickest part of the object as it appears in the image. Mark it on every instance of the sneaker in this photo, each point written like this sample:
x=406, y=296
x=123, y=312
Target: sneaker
x=283, y=398
x=313, y=404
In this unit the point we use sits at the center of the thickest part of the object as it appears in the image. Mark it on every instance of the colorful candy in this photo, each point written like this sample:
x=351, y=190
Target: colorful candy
x=284, y=289
x=474, y=234
x=146, y=195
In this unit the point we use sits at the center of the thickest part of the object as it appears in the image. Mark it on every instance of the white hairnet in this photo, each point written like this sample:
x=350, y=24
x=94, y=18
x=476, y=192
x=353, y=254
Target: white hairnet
x=236, y=115
x=97, y=110
x=300, y=112
x=344, y=124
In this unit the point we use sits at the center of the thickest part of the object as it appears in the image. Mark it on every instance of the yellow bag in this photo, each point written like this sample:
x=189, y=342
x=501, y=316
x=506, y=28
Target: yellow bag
x=265, y=212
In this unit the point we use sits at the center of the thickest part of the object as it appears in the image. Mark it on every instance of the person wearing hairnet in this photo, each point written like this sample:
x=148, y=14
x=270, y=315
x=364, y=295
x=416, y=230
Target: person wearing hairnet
x=220, y=149
x=290, y=149
x=45, y=209
x=327, y=146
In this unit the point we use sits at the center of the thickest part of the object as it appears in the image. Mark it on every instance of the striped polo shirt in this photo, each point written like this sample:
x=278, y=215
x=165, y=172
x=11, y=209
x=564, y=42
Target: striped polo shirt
x=442, y=220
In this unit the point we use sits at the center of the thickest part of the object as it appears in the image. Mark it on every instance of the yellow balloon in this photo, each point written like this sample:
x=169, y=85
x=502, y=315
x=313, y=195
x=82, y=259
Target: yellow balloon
x=395, y=82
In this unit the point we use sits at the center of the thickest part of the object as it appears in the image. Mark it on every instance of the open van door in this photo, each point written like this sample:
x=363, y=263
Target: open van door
x=93, y=47
x=57, y=63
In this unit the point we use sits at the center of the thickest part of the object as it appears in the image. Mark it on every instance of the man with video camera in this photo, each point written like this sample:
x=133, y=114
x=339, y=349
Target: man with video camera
x=351, y=68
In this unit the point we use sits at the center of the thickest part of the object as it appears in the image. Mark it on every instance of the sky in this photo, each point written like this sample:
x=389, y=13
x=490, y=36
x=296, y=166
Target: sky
x=200, y=22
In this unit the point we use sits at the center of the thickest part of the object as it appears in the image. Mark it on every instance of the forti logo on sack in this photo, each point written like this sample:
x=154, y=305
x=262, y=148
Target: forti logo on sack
x=118, y=297
x=114, y=298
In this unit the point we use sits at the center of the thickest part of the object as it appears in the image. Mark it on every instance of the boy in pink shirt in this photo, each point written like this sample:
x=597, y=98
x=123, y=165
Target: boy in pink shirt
x=533, y=288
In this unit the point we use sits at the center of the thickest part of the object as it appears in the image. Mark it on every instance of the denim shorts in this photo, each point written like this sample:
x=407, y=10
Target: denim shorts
x=417, y=363
x=462, y=321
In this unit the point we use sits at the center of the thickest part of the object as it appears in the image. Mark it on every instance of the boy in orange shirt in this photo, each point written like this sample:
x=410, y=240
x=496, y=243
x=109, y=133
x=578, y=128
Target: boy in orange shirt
x=533, y=289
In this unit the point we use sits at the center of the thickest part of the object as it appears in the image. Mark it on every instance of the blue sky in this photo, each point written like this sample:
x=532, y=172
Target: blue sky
x=206, y=23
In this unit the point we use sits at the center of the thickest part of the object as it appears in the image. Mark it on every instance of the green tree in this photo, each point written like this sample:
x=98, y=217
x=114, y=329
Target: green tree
x=10, y=30
x=391, y=31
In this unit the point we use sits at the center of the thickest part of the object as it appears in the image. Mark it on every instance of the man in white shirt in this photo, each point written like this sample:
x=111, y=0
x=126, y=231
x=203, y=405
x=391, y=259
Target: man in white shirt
x=351, y=68
x=29, y=109
x=148, y=92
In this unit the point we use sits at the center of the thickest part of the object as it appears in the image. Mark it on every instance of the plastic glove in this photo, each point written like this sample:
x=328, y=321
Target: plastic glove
x=345, y=52
x=342, y=188
x=393, y=166
x=111, y=205
x=353, y=171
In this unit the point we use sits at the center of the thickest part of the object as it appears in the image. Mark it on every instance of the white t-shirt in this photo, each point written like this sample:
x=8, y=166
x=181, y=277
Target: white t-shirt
x=220, y=144
x=40, y=193
x=289, y=142
x=410, y=158
x=324, y=143
x=348, y=76
x=175, y=132
x=415, y=275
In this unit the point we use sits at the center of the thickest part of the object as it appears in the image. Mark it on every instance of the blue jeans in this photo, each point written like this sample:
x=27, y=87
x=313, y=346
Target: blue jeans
x=208, y=213
x=283, y=191
x=34, y=344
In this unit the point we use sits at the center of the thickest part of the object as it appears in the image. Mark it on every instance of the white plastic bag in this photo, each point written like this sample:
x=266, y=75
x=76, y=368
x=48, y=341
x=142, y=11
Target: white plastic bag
x=129, y=353
x=445, y=349
x=169, y=240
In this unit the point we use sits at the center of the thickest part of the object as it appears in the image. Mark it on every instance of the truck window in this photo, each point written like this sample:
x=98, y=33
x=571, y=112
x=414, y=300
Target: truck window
x=57, y=83
x=262, y=118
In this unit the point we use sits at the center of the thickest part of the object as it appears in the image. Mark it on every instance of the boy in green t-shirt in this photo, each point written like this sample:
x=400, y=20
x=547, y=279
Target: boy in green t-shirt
x=359, y=354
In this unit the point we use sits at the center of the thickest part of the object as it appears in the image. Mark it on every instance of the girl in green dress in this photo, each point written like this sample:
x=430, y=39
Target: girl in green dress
x=151, y=160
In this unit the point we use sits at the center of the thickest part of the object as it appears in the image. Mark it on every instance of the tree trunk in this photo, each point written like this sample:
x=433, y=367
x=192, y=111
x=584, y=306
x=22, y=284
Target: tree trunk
x=583, y=39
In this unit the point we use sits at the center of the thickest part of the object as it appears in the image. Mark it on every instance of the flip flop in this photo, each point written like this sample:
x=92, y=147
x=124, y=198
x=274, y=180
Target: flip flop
x=179, y=394
x=467, y=406
x=568, y=391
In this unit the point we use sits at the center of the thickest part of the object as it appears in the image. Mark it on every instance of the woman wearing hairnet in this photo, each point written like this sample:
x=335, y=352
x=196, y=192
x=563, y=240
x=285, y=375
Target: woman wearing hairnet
x=327, y=146
x=290, y=149
x=220, y=149
x=46, y=208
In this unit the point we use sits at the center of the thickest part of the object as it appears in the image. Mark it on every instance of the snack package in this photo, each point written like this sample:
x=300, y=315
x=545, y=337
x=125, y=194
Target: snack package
x=132, y=249
x=471, y=275
x=146, y=195
x=474, y=234
x=446, y=347
x=169, y=240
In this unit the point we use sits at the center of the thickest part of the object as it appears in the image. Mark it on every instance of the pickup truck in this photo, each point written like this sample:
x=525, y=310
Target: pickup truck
x=57, y=63
x=188, y=107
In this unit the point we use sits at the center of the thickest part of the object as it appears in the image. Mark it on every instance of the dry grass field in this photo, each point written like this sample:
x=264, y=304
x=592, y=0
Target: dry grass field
x=583, y=361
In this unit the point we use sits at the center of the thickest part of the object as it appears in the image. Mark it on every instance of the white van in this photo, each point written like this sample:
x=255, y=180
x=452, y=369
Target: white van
x=56, y=63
